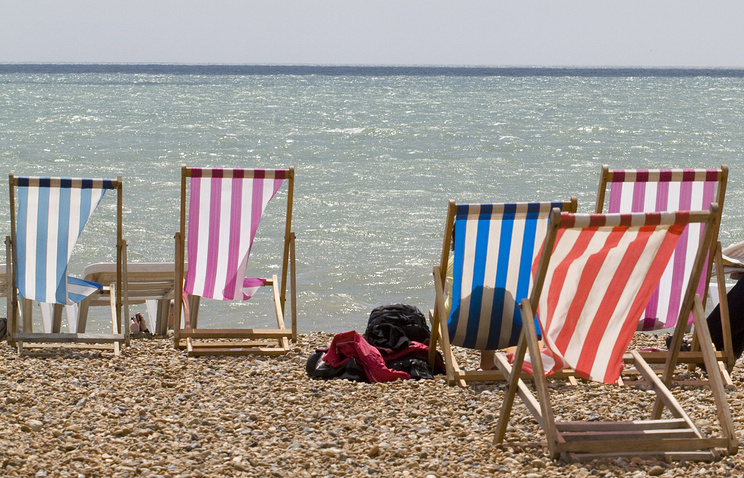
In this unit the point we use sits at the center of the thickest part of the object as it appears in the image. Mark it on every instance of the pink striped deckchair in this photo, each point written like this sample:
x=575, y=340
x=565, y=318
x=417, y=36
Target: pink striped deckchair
x=666, y=190
x=595, y=275
x=671, y=190
x=224, y=210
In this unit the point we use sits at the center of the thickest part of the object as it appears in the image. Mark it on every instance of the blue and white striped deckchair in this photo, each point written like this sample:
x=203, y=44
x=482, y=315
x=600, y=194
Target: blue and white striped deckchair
x=51, y=214
x=493, y=250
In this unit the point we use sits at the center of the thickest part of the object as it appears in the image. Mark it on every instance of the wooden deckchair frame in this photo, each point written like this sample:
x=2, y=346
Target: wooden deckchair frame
x=455, y=374
x=237, y=341
x=676, y=438
x=18, y=307
x=695, y=356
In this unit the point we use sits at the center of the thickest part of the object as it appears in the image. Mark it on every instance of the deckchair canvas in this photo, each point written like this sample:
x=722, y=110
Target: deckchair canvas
x=50, y=216
x=493, y=248
x=596, y=273
x=224, y=210
x=672, y=190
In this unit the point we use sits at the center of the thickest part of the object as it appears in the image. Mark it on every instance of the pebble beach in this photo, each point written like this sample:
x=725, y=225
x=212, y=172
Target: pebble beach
x=154, y=412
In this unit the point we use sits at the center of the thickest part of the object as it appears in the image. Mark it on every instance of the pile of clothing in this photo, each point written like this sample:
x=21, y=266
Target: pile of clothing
x=394, y=346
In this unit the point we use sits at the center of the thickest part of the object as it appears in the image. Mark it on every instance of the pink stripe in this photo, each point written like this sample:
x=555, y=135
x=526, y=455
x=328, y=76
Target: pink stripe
x=192, y=235
x=639, y=195
x=233, y=255
x=616, y=193
x=662, y=204
x=214, y=236
x=679, y=259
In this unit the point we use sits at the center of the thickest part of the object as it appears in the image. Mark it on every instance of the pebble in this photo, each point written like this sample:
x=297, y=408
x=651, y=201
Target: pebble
x=155, y=412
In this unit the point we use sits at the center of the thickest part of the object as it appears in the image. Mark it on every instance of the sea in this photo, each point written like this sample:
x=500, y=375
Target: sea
x=378, y=152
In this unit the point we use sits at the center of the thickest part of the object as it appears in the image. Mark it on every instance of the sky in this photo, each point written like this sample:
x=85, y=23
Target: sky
x=573, y=33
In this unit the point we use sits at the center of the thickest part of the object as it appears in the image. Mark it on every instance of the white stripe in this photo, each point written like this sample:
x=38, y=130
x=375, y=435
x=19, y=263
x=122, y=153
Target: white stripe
x=202, y=230
x=31, y=235
x=53, y=233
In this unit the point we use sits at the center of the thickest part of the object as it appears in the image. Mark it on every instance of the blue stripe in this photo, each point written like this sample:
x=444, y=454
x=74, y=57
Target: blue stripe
x=458, y=259
x=479, y=273
x=42, y=226
x=79, y=289
x=502, y=269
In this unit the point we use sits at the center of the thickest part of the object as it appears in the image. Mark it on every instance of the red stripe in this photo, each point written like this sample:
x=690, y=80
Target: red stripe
x=652, y=278
x=561, y=271
x=612, y=295
x=588, y=274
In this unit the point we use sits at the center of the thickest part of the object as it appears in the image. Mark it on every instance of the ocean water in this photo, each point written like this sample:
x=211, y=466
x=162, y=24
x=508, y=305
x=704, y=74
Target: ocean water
x=378, y=153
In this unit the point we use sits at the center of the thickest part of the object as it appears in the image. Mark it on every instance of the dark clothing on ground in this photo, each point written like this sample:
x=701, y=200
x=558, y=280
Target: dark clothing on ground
x=736, y=319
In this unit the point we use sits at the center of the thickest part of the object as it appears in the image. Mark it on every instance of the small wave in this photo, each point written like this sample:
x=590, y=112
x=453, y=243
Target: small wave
x=345, y=130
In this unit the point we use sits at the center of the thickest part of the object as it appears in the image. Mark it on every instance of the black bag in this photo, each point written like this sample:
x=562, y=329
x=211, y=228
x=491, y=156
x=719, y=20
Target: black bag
x=317, y=368
x=395, y=326
x=3, y=327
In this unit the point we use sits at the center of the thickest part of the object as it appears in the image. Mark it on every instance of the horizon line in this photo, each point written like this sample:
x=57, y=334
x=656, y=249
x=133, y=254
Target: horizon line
x=366, y=70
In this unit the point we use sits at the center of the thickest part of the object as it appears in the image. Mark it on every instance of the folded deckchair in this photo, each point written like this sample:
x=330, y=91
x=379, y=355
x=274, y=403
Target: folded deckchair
x=493, y=248
x=150, y=283
x=50, y=216
x=595, y=275
x=673, y=190
x=224, y=209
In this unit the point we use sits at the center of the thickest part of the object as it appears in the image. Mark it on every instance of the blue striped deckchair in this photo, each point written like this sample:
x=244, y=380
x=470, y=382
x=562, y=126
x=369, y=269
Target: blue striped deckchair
x=51, y=214
x=493, y=250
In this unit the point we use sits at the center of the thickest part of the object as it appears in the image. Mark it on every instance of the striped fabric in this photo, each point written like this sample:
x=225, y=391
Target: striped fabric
x=601, y=275
x=225, y=207
x=52, y=213
x=667, y=190
x=495, y=246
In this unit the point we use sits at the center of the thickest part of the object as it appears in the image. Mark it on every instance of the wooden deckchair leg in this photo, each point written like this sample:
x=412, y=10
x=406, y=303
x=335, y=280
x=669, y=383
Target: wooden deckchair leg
x=728, y=347
x=293, y=286
x=282, y=342
x=114, y=322
x=27, y=315
x=541, y=383
x=715, y=379
x=513, y=378
x=454, y=374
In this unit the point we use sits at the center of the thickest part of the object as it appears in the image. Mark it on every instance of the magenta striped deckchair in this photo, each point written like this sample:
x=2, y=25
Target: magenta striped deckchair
x=669, y=190
x=224, y=210
x=51, y=214
x=596, y=273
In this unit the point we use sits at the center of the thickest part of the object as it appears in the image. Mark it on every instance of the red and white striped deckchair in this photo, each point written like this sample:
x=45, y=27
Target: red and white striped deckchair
x=224, y=210
x=595, y=275
x=671, y=190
